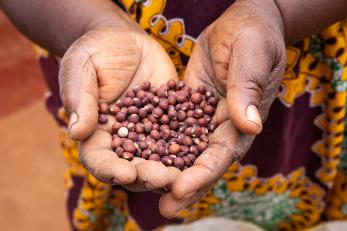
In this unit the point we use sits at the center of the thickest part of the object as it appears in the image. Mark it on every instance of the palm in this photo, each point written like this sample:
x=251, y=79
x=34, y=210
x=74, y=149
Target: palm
x=114, y=61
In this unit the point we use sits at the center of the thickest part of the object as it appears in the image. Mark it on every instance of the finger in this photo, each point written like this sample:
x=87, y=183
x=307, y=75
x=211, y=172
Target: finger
x=252, y=85
x=79, y=93
x=227, y=145
x=152, y=175
x=169, y=206
x=98, y=158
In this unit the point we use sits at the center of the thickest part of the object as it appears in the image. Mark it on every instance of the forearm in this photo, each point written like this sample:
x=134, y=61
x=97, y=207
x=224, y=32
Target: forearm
x=305, y=17
x=56, y=24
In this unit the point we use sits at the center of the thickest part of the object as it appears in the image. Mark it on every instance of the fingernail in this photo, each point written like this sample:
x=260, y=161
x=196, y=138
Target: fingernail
x=187, y=195
x=73, y=119
x=253, y=115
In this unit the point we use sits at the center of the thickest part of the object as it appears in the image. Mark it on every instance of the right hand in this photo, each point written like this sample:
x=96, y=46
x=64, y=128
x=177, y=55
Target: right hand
x=100, y=67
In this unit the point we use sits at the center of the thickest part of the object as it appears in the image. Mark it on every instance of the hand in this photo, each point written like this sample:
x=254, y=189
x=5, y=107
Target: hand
x=241, y=57
x=100, y=67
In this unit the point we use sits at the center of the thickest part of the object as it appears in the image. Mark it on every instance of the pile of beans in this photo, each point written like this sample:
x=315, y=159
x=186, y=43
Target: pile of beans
x=170, y=124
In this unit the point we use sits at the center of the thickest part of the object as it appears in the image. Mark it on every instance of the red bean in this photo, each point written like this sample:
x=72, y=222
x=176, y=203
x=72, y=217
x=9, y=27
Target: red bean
x=102, y=118
x=178, y=162
x=128, y=146
x=146, y=85
x=174, y=148
x=134, y=118
x=167, y=160
x=114, y=109
x=103, y=108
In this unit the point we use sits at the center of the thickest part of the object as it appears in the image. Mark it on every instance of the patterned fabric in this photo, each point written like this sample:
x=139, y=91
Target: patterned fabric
x=295, y=174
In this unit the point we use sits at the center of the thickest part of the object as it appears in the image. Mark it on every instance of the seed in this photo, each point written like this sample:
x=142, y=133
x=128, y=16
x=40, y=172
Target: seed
x=155, y=134
x=145, y=100
x=190, y=113
x=167, y=160
x=196, y=132
x=121, y=116
x=194, y=150
x=213, y=101
x=119, y=151
x=146, y=153
x=173, y=124
x=163, y=104
x=146, y=85
x=157, y=112
x=171, y=99
x=128, y=102
x=184, y=150
x=187, y=141
x=166, y=134
x=131, y=126
x=153, y=90
x=187, y=161
x=154, y=156
x=139, y=128
x=208, y=94
x=103, y=108
x=134, y=118
x=187, y=89
x=128, y=146
x=202, y=89
x=132, y=136
x=137, y=102
x=180, y=97
x=156, y=126
x=172, y=113
x=149, y=107
x=133, y=110
x=141, y=94
x=162, y=150
x=152, y=118
x=114, y=109
x=141, y=137
x=198, y=113
x=171, y=84
x=137, y=88
x=180, y=85
x=164, y=119
x=196, y=98
x=191, y=122
x=204, y=138
x=154, y=100
x=164, y=127
x=162, y=93
x=125, y=123
x=161, y=142
x=212, y=127
x=102, y=118
x=209, y=110
x=116, y=142
x=142, y=113
x=123, y=132
x=184, y=106
x=174, y=148
x=130, y=94
x=207, y=117
x=119, y=103
x=128, y=156
x=189, y=131
x=202, y=146
x=115, y=127
x=178, y=162
x=202, y=122
x=148, y=126
x=191, y=157
x=181, y=115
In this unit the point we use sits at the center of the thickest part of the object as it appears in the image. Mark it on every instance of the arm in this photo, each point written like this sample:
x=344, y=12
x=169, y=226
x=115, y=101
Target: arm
x=56, y=24
x=302, y=18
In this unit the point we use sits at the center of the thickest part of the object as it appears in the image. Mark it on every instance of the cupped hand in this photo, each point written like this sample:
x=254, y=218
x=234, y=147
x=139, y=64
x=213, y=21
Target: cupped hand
x=100, y=67
x=241, y=57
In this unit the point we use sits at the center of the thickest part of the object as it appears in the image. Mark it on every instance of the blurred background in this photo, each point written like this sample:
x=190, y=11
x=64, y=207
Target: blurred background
x=31, y=163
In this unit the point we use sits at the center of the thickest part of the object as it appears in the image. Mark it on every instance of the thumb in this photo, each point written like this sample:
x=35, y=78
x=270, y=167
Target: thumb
x=253, y=80
x=79, y=93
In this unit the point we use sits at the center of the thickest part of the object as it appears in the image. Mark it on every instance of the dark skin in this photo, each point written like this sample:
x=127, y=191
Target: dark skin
x=223, y=59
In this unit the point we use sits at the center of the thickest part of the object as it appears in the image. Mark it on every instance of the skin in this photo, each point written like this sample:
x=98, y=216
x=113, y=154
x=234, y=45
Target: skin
x=240, y=56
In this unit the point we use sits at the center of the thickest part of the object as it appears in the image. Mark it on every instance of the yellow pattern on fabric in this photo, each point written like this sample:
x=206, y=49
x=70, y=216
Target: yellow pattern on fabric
x=305, y=73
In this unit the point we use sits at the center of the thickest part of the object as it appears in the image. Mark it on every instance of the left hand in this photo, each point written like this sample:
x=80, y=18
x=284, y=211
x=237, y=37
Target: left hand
x=241, y=58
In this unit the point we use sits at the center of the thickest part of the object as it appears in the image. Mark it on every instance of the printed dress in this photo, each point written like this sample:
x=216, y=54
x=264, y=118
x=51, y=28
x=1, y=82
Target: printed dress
x=293, y=177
